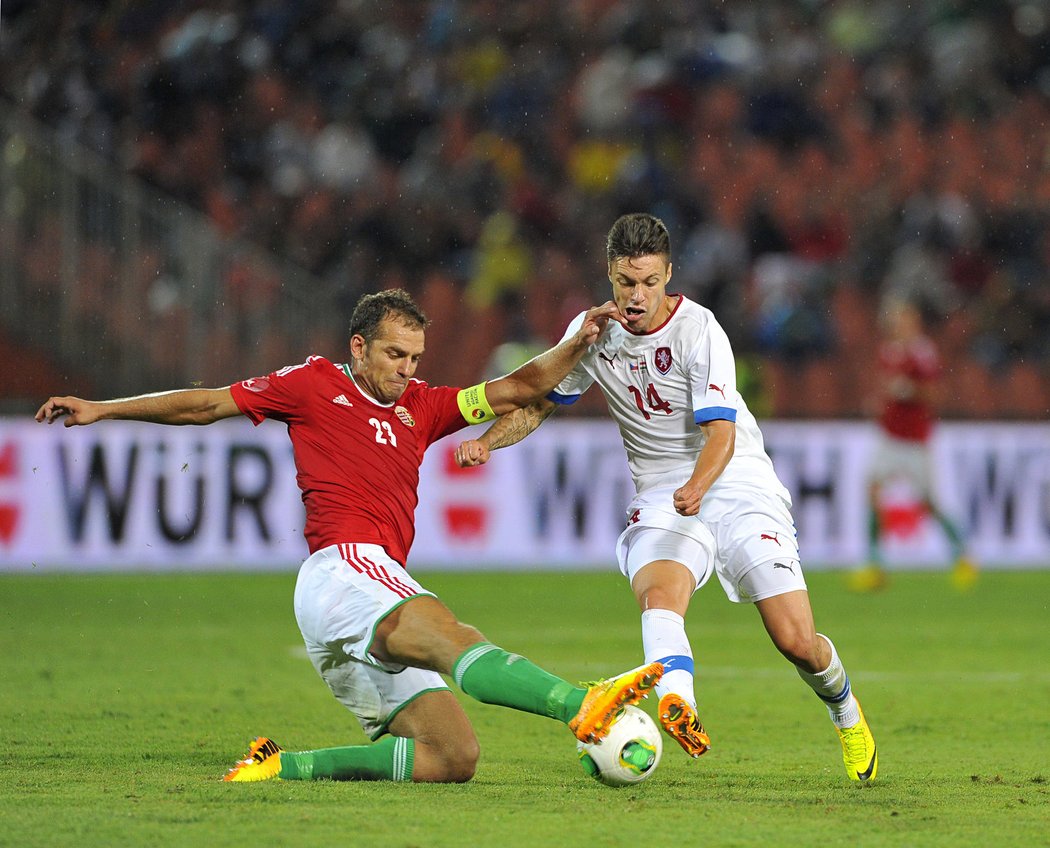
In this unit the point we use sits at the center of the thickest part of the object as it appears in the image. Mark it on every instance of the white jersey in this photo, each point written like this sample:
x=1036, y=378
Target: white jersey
x=660, y=386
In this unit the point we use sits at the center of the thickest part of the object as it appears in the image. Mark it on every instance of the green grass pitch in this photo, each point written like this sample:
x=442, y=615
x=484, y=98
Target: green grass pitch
x=123, y=699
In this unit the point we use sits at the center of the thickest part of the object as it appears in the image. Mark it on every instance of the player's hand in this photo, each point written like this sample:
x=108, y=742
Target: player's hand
x=687, y=500
x=595, y=320
x=471, y=453
x=75, y=410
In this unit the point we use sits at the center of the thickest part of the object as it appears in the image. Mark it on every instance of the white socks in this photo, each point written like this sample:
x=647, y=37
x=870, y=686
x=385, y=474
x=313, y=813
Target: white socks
x=833, y=688
x=664, y=640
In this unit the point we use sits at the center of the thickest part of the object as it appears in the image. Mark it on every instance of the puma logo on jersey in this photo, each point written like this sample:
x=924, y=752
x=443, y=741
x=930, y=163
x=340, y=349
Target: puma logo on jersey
x=777, y=565
x=609, y=359
x=341, y=400
x=772, y=538
x=711, y=387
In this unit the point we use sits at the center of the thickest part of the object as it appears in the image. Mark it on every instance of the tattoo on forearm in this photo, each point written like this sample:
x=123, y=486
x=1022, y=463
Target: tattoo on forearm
x=515, y=426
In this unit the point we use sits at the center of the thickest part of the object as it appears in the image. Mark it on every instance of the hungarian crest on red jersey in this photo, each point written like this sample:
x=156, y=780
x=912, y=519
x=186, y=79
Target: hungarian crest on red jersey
x=662, y=359
x=405, y=416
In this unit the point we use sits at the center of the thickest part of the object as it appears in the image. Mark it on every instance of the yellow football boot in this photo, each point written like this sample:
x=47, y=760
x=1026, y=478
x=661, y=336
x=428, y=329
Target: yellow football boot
x=682, y=724
x=605, y=698
x=964, y=574
x=858, y=750
x=262, y=763
x=870, y=578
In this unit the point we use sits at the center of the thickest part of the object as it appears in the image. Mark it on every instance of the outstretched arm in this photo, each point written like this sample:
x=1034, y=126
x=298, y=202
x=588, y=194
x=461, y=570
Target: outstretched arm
x=188, y=406
x=507, y=430
x=537, y=377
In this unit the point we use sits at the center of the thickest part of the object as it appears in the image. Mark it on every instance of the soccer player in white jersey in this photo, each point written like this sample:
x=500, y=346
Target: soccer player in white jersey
x=707, y=497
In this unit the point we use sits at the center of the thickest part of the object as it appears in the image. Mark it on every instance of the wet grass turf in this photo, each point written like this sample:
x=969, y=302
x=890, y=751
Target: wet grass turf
x=124, y=698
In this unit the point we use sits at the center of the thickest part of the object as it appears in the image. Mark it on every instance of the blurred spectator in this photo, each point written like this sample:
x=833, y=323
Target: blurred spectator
x=796, y=151
x=792, y=317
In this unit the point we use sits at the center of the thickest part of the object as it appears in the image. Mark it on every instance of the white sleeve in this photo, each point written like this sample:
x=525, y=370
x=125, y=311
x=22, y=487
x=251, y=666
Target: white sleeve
x=713, y=377
x=577, y=381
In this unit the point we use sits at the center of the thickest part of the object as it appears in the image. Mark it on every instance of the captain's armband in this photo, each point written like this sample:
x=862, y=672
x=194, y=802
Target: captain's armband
x=473, y=405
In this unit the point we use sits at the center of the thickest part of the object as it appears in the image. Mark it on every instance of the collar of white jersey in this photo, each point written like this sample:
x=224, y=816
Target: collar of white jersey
x=666, y=321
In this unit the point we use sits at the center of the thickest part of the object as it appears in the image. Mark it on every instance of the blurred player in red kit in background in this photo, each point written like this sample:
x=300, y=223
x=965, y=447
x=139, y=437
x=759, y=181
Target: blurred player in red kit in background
x=909, y=370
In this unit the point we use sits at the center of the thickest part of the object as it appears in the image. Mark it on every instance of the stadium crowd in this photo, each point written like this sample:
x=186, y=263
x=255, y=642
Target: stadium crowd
x=810, y=159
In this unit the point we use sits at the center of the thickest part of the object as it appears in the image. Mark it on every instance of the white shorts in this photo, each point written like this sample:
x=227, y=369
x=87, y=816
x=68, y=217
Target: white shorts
x=747, y=539
x=902, y=459
x=342, y=594
x=653, y=534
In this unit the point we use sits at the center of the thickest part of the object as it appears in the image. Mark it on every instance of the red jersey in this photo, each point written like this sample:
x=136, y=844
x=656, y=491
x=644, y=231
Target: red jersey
x=357, y=461
x=917, y=362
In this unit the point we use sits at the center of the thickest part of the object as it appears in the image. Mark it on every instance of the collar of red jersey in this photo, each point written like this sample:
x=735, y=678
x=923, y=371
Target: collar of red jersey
x=346, y=370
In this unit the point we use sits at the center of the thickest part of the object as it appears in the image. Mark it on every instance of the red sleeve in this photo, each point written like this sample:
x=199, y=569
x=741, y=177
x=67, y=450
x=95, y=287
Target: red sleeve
x=277, y=395
x=442, y=407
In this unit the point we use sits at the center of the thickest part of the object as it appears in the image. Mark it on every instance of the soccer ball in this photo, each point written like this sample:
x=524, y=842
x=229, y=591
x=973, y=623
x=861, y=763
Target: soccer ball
x=628, y=754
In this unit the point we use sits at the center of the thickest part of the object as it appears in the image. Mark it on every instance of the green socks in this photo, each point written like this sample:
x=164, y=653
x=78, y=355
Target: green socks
x=493, y=676
x=388, y=759
x=486, y=673
x=874, y=532
x=955, y=538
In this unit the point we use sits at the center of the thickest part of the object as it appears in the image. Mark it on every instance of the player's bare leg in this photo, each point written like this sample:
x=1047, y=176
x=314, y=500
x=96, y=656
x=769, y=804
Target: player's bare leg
x=446, y=749
x=423, y=632
x=788, y=619
x=663, y=589
x=431, y=738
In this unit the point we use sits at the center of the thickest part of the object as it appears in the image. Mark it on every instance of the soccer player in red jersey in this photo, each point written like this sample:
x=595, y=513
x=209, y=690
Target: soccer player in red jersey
x=375, y=635
x=909, y=368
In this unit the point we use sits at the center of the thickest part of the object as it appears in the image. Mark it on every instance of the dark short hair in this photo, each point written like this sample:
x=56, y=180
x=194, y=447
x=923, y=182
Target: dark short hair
x=637, y=234
x=371, y=309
